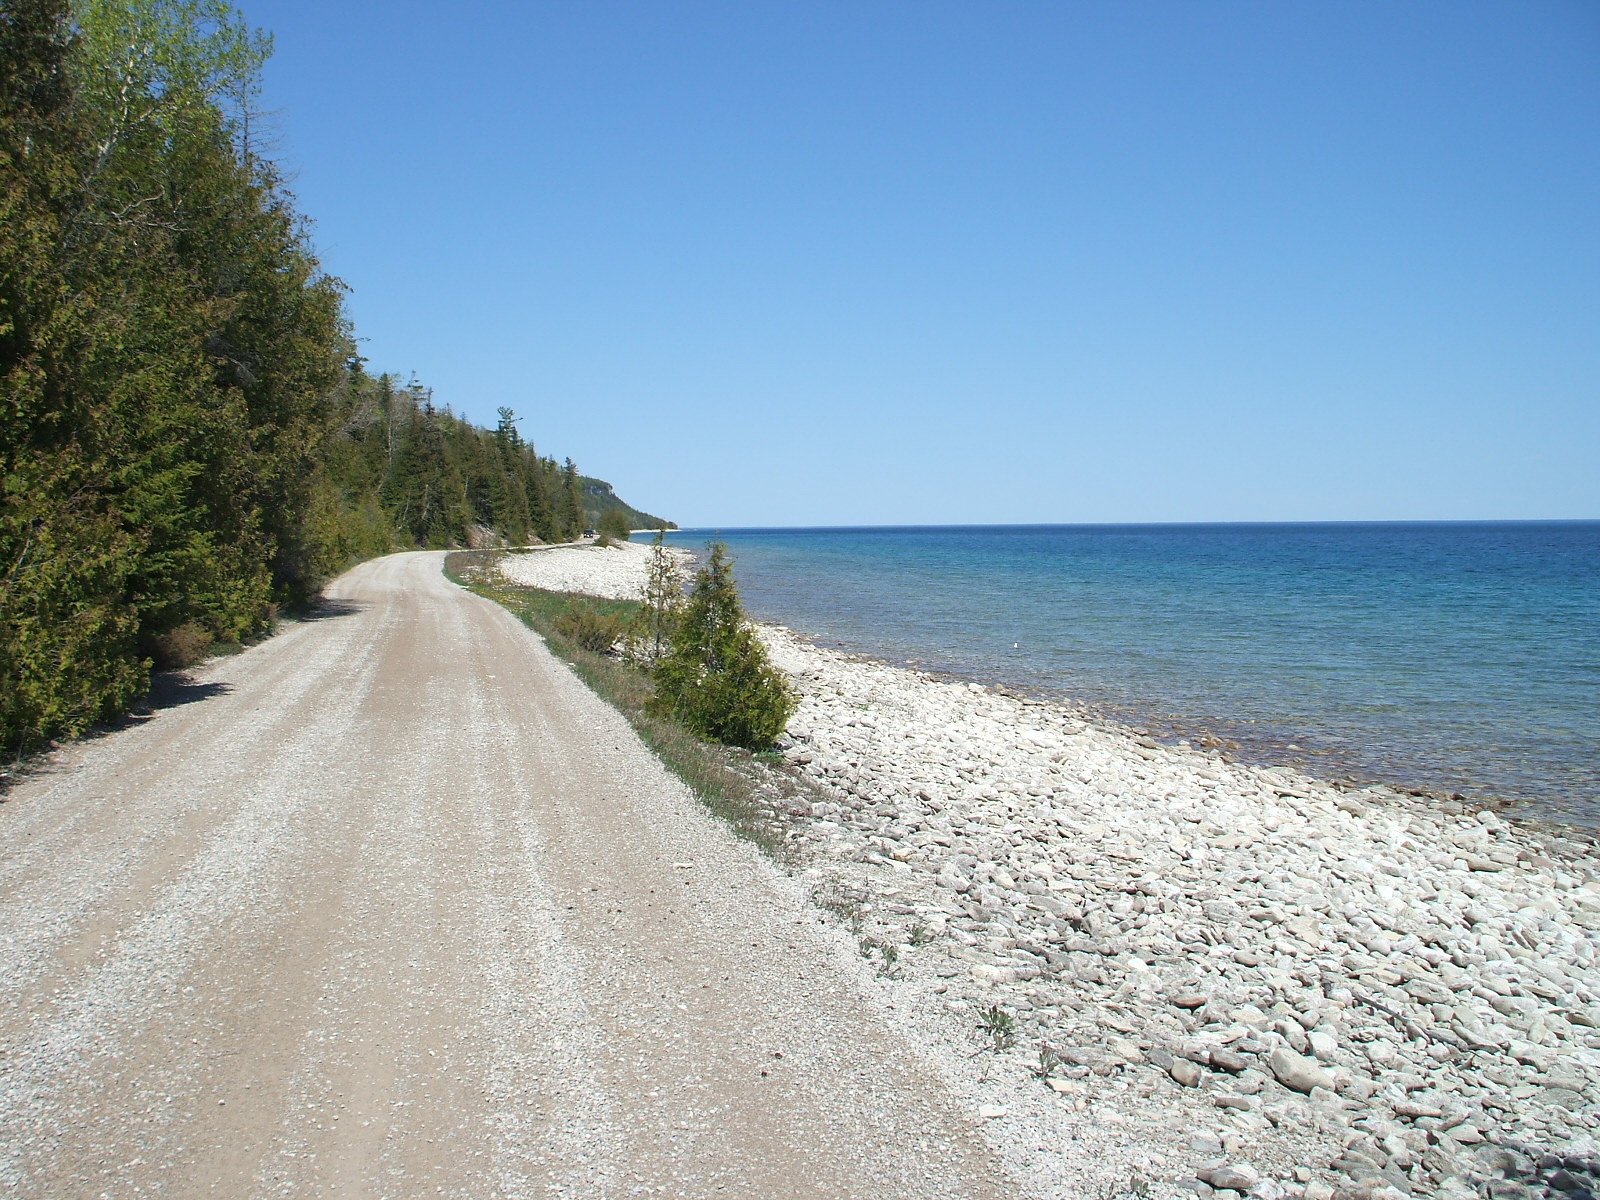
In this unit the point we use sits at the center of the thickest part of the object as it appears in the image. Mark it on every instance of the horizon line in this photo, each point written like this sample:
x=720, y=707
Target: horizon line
x=1145, y=524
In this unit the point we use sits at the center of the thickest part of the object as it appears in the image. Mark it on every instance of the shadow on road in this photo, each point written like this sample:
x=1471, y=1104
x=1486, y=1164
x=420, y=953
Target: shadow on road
x=326, y=609
x=168, y=689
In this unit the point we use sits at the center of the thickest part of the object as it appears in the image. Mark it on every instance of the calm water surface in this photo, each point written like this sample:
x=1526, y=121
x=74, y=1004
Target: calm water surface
x=1461, y=657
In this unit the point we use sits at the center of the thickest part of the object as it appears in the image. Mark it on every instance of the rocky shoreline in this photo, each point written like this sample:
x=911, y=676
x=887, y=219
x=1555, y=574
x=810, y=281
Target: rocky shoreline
x=1161, y=972
x=612, y=572
x=1296, y=989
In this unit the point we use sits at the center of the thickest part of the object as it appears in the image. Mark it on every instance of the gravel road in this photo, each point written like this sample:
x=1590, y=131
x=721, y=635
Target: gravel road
x=391, y=905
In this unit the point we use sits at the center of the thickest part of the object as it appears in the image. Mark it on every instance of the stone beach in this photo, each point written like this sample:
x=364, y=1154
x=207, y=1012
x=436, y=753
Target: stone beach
x=1290, y=988
x=614, y=572
x=1161, y=971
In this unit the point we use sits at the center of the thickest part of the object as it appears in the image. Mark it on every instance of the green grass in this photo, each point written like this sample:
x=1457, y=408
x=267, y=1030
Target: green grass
x=751, y=792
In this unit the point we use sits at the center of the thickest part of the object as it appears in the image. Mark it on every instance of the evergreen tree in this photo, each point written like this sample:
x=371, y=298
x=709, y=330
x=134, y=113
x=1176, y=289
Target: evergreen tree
x=662, y=601
x=613, y=526
x=511, y=489
x=506, y=437
x=717, y=678
x=67, y=622
x=571, y=503
x=541, y=513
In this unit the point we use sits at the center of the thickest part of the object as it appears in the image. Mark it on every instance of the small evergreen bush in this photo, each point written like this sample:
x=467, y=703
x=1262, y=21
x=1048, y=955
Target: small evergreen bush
x=716, y=678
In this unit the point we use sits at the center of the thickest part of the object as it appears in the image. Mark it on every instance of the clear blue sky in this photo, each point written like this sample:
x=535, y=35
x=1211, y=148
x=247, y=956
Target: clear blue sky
x=878, y=262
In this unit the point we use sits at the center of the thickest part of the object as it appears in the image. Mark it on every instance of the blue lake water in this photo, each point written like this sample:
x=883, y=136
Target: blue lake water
x=1457, y=657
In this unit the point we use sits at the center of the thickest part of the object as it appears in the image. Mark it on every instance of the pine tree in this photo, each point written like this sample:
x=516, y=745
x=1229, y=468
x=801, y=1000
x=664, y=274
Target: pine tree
x=717, y=678
x=540, y=518
x=662, y=600
x=514, y=519
x=506, y=437
x=571, y=502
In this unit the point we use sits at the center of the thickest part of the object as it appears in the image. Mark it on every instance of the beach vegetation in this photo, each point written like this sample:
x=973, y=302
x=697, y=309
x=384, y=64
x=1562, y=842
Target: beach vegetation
x=1050, y=1061
x=882, y=953
x=716, y=677
x=844, y=902
x=998, y=1027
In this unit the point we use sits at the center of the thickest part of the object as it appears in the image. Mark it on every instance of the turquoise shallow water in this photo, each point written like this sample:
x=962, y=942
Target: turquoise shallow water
x=1461, y=657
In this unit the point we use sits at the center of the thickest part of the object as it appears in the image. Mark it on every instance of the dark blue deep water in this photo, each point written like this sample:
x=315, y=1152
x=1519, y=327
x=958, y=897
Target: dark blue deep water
x=1457, y=657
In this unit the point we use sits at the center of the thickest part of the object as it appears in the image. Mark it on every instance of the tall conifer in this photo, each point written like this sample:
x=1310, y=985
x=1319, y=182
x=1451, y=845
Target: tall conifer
x=572, y=502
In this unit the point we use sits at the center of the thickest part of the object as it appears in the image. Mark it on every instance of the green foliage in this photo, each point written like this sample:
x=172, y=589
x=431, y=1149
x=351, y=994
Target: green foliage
x=166, y=339
x=883, y=953
x=661, y=603
x=571, y=503
x=845, y=902
x=998, y=1026
x=68, y=630
x=613, y=526
x=599, y=499
x=159, y=63
x=589, y=627
x=1050, y=1061
x=435, y=477
x=187, y=438
x=717, y=678
x=136, y=489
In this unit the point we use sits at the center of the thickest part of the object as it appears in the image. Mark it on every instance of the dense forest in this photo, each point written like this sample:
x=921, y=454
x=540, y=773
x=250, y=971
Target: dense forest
x=188, y=439
x=394, y=470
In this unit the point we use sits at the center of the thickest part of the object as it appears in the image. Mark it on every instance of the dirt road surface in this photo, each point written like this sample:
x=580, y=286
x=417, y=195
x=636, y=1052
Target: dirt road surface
x=391, y=906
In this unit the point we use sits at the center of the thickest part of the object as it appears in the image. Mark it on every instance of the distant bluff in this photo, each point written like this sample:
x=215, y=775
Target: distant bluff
x=598, y=498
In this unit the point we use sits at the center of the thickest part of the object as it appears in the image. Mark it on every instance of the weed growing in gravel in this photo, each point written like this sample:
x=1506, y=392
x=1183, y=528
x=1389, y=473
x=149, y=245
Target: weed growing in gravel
x=920, y=935
x=1049, y=1061
x=882, y=953
x=999, y=1026
x=1137, y=1188
x=843, y=903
